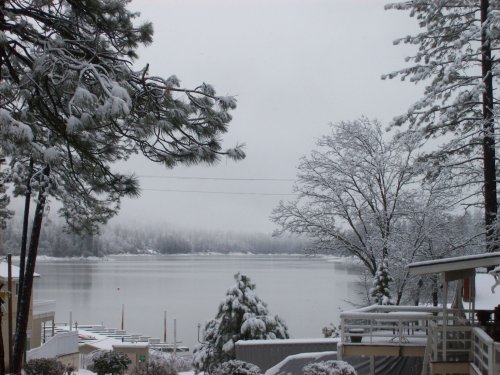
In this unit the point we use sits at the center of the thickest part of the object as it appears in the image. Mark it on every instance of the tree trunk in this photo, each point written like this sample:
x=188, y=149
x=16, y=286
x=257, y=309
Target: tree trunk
x=489, y=167
x=24, y=238
x=25, y=293
x=420, y=284
x=2, y=29
x=2, y=349
x=435, y=294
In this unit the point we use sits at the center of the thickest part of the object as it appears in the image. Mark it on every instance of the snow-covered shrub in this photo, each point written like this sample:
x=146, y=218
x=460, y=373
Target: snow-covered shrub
x=70, y=369
x=157, y=365
x=236, y=367
x=331, y=331
x=329, y=368
x=109, y=362
x=241, y=316
x=181, y=364
x=163, y=364
x=44, y=366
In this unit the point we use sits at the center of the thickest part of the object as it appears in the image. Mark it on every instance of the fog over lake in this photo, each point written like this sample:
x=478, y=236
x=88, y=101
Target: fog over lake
x=307, y=292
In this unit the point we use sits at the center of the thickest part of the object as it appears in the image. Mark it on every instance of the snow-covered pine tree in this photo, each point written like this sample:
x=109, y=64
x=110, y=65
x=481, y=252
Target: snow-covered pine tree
x=456, y=64
x=72, y=104
x=5, y=213
x=380, y=292
x=241, y=316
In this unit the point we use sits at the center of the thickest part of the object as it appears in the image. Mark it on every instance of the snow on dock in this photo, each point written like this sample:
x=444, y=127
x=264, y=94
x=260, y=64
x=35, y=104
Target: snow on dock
x=100, y=337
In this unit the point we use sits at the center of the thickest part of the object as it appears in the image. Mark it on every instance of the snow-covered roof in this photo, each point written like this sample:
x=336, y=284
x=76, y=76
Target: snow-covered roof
x=4, y=271
x=302, y=358
x=103, y=342
x=454, y=264
x=286, y=341
x=135, y=345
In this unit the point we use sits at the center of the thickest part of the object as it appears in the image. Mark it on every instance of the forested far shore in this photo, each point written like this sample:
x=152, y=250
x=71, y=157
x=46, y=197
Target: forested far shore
x=131, y=239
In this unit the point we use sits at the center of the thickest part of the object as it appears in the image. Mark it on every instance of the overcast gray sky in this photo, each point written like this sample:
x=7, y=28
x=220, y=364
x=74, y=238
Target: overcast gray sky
x=295, y=66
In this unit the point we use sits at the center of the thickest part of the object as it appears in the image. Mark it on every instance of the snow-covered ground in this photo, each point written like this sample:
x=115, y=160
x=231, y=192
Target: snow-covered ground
x=87, y=372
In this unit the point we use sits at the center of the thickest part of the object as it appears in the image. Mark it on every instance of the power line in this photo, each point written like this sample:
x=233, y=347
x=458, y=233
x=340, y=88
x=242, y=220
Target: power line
x=219, y=192
x=215, y=178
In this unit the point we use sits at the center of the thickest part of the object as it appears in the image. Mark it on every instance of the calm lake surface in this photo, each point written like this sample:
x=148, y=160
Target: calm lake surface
x=307, y=292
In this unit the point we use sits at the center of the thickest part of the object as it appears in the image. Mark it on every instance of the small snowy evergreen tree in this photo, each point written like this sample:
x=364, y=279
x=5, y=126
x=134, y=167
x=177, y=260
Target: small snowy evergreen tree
x=380, y=291
x=241, y=316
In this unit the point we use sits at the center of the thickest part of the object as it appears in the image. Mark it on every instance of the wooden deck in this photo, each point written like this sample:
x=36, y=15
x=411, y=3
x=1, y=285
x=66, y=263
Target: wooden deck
x=380, y=342
x=413, y=331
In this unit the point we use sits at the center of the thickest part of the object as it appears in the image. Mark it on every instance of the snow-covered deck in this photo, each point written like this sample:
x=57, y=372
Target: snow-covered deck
x=386, y=330
x=387, y=325
x=444, y=336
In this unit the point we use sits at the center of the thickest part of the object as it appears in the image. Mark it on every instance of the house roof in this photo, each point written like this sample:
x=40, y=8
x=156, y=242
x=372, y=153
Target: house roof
x=454, y=264
x=4, y=271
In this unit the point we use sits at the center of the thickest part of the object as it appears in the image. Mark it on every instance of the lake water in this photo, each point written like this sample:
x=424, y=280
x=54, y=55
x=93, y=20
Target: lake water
x=307, y=292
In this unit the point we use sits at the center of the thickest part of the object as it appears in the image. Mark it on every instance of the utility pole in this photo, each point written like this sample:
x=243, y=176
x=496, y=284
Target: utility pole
x=165, y=326
x=9, y=311
x=2, y=351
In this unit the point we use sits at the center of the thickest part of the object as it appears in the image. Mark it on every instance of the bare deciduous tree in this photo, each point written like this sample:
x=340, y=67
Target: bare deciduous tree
x=363, y=192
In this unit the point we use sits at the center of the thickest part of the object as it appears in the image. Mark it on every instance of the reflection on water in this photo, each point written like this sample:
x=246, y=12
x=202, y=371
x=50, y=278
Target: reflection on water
x=307, y=292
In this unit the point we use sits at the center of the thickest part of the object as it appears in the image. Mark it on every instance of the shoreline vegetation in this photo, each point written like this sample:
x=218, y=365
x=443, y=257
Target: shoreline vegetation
x=118, y=239
x=112, y=257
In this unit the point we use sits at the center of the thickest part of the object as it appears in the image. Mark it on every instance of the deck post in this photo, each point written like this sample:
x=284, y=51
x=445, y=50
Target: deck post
x=491, y=357
x=175, y=336
x=165, y=326
x=372, y=365
x=445, y=314
x=342, y=330
x=123, y=317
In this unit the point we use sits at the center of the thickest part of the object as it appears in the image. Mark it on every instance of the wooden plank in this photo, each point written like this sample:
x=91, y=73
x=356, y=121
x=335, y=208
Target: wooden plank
x=382, y=350
x=450, y=368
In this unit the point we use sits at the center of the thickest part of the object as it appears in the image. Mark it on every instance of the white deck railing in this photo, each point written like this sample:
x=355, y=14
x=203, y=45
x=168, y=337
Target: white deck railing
x=482, y=351
x=455, y=341
x=457, y=345
x=496, y=361
x=58, y=345
x=485, y=353
x=387, y=324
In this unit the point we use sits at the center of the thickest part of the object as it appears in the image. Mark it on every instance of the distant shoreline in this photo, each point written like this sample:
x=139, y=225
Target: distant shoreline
x=329, y=258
